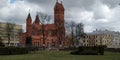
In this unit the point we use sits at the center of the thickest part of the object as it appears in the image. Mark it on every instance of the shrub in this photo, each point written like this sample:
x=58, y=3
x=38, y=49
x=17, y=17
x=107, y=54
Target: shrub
x=113, y=49
x=76, y=52
x=32, y=48
x=68, y=49
x=12, y=50
x=89, y=50
x=2, y=44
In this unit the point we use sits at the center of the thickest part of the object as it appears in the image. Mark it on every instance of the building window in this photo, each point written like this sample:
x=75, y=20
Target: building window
x=87, y=40
x=83, y=40
x=36, y=44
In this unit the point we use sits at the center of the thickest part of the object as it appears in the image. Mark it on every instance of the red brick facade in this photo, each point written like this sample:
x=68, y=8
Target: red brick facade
x=53, y=32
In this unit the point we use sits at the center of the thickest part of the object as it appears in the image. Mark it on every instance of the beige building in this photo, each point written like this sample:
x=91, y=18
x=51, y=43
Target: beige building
x=14, y=36
x=99, y=38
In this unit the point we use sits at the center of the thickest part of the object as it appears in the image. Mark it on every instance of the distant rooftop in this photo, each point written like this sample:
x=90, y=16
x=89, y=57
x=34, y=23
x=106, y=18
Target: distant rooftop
x=103, y=32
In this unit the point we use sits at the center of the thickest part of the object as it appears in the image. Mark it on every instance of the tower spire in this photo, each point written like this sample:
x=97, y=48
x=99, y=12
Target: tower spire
x=37, y=19
x=29, y=16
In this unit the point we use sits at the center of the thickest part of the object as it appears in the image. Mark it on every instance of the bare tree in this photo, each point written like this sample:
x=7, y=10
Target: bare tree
x=71, y=28
x=9, y=31
x=44, y=20
x=79, y=32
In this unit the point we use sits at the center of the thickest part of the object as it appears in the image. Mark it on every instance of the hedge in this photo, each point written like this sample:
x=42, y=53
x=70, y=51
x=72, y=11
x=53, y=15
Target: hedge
x=69, y=49
x=13, y=50
x=89, y=50
x=113, y=49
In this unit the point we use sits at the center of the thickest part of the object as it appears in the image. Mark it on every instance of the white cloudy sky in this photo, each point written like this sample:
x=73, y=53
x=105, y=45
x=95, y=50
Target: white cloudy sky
x=95, y=14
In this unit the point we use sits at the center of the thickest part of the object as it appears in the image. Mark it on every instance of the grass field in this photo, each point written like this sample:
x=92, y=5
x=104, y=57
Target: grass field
x=60, y=55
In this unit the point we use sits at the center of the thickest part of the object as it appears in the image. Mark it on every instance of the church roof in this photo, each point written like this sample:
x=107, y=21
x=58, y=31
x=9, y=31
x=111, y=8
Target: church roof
x=47, y=26
x=50, y=27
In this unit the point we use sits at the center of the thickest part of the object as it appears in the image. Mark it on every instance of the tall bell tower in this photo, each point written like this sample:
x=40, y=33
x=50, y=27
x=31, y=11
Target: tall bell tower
x=59, y=22
x=59, y=13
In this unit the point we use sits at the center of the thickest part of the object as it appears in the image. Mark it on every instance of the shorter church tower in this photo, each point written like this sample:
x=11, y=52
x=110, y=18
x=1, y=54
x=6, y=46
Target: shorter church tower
x=28, y=25
x=37, y=21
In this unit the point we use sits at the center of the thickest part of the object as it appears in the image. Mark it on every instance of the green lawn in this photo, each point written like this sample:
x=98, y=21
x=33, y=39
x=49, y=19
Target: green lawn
x=60, y=55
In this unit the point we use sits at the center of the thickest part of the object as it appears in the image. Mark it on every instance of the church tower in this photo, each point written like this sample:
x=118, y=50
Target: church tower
x=28, y=25
x=59, y=13
x=59, y=22
x=37, y=21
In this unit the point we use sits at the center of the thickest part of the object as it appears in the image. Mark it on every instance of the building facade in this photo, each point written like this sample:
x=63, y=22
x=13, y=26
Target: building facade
x=14, y=36
x=109, y=38
x=53, y=34
x=116, y=39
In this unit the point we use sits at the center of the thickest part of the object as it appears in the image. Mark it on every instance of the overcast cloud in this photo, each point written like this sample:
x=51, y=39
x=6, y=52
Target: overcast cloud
x=95, y=14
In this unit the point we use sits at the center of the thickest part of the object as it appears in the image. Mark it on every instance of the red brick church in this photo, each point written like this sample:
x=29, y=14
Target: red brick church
x=54, y=34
